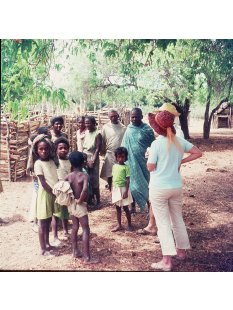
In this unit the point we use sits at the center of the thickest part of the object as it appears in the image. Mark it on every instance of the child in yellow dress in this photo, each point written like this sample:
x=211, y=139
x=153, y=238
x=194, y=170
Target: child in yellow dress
x=46, y=171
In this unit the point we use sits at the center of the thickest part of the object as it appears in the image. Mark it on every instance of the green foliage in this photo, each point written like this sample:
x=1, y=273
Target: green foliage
x=96, y=73
x=131, y=54
x=186, y=71
x=25, y=66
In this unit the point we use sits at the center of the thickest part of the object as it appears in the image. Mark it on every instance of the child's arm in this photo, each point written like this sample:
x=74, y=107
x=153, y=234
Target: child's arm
x=98, y=148
x=125, y=194
x=29, y=163
x=44, y=184
x=103, y=146
x=84, y=192
x=67, y=178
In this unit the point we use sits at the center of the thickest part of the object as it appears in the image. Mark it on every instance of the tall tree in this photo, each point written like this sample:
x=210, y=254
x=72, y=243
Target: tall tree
x=216, y=65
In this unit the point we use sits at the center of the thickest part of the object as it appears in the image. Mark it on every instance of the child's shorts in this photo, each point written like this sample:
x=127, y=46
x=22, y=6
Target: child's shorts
x=117, y=193
x=78, y=210
x=61, y=212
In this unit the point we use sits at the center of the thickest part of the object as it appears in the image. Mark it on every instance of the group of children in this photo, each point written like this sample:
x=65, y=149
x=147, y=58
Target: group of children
x=50, y=162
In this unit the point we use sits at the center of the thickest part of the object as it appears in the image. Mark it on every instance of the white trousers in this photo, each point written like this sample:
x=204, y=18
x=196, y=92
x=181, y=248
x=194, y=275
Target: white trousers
x=167, y=208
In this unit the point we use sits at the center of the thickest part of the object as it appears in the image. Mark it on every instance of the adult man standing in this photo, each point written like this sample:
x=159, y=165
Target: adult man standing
x=138, y=137
x=112, y=134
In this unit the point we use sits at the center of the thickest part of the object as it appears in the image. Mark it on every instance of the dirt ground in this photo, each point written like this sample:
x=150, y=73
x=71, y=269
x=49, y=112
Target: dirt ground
x=207, y=206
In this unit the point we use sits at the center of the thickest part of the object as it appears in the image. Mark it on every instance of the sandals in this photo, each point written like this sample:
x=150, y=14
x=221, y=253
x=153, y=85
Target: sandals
x=145, y=232
x=48, y=254
x=57, y=243
x=160, y=266
x=118, y=228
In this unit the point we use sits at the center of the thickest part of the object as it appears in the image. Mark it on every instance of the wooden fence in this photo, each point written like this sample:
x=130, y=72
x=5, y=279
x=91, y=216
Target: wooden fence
x=14, y=146
x=14, y=138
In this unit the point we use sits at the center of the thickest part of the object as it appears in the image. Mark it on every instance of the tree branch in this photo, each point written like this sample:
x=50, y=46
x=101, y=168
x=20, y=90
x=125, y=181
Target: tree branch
x=151, y=52
x=104, y=86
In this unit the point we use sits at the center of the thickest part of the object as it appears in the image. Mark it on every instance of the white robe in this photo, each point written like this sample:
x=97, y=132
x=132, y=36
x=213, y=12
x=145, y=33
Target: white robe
x=112, y=136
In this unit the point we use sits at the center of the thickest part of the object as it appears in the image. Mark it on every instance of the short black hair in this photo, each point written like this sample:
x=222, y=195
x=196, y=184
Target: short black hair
x=137, y=110
x=121, y=150
x=84, y=156
x=43, y=130
x=76, y=159
x=61, y=140
x=50, y=146
x=81, y=117
x=91, y=119
x=57, y=119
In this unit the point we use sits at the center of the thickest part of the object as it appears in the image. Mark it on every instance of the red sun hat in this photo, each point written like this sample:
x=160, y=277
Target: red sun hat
x=161, y=121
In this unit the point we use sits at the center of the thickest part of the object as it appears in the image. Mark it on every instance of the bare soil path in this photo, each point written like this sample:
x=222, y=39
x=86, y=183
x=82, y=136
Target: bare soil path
x=208, y=213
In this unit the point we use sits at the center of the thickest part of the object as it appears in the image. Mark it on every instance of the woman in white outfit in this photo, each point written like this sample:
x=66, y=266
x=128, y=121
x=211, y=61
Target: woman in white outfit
x=165, y=188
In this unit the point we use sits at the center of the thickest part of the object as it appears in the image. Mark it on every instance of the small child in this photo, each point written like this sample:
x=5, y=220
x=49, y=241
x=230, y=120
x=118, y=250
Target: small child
x=78, y=210
x=121, y=195
x=46, y=171
x=64, y=168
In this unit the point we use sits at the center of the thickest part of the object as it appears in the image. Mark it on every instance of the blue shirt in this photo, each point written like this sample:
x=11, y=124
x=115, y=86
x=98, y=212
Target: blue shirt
x=167, y=160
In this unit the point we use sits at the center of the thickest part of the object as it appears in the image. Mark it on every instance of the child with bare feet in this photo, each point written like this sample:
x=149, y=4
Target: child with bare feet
x=46, y=171
x=121, y=195
x=64, y=168
x=78, y=210
x=30, y=172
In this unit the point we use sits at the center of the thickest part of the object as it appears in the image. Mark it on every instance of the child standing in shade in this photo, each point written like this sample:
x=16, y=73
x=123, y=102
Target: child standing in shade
x=64, y=168
x=46, y=171
x=121, y=195
x=30, y=172
x=78, y=210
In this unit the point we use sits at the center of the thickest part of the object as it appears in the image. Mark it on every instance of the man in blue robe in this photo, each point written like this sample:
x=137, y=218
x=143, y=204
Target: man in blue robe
x=137, y=138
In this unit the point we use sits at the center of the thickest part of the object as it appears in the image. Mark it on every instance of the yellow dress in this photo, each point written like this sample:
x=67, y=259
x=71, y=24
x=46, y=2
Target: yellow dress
x=45, y=201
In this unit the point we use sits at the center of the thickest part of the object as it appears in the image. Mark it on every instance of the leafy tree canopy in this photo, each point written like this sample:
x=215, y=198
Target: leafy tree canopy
x=25, y=66
x=96, y=73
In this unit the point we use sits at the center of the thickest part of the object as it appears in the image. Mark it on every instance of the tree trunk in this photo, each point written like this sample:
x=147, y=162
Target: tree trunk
x=184, y=112
x=207, y=121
